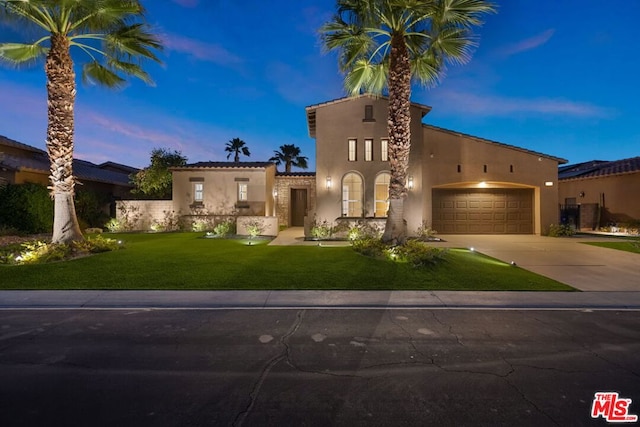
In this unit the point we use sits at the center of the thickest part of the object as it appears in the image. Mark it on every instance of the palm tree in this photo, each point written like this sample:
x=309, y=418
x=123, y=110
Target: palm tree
x=387, y=44
x=289, y=154
x=112, y=35
x=235, y=147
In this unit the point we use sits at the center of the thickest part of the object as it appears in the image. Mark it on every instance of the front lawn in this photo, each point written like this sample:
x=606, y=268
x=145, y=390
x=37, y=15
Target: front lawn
x=186, y=261
x=626, y=245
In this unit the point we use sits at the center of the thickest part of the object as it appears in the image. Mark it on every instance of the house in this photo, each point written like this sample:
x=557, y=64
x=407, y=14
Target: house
x=21, y=163
x=600, y=192
x=456, y=183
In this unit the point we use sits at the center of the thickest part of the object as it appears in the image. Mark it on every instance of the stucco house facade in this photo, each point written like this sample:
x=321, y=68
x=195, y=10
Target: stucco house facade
x=457, y=183
x=603, y=192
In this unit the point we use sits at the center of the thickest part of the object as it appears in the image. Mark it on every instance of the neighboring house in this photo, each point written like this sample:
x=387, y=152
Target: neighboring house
x=600, y=192
x=21, y=163
x=457, y=183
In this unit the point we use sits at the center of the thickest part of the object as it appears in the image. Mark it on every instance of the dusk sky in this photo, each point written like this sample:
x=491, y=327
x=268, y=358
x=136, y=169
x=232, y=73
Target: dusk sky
x=558, y=77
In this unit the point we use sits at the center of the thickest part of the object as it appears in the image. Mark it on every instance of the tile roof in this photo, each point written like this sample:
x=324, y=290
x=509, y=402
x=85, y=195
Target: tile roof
x=225, y=165
x=11, y=143
x=310, y=174
x=488, y=141
x=82, y=170
x=599, y=168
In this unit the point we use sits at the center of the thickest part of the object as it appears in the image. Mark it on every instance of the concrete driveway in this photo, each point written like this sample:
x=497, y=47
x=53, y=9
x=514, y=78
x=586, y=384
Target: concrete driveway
x=566, y=259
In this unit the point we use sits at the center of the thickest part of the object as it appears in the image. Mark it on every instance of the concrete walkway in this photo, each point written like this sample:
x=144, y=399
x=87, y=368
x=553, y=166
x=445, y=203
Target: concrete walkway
x=200, y=300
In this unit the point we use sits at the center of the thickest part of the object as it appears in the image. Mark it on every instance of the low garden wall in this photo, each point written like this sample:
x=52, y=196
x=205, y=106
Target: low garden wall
x=266, y=225
x=140, y=215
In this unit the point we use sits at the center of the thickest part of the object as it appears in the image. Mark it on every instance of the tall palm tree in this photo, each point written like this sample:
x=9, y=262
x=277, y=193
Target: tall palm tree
x=387, y=44
x=115, y=39
x=289, y=154
x=235, y=147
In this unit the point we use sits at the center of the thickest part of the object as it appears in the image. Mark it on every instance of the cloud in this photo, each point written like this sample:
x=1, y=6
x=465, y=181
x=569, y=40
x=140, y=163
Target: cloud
x=487, y=105
x=527, y=44
x=187, y=3
x=201, y=51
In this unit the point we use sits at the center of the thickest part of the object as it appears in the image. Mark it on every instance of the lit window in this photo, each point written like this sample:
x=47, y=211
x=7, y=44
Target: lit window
x=198, y=192
x=352, y=191
x=382, y=194
x=352, y=150
x=368, y=150
x=384, y=151
x=243, y=191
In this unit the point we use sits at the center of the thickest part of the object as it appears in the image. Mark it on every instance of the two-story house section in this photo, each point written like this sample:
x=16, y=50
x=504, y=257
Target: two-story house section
x=457, y=183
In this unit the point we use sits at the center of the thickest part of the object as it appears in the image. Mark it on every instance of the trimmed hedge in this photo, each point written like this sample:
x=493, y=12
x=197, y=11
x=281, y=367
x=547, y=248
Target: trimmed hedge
x=26, y=207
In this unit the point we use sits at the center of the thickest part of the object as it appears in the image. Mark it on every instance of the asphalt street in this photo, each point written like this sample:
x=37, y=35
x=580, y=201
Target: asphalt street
x=378, y=367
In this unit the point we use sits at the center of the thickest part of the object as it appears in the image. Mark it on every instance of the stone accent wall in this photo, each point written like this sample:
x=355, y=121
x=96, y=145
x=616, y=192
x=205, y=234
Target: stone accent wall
x=142, y=213
x=283, y=186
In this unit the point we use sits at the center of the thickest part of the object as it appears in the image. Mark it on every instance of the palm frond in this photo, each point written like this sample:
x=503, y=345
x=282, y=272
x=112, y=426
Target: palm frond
x=95, y=73
x=132, y=41
x=131, y=69
x=19, y=53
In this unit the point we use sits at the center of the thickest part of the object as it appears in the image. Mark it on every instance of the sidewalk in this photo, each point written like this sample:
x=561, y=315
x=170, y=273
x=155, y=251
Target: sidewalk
x=318, y=299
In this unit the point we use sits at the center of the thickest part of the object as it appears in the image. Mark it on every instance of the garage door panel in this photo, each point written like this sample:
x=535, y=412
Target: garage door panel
x=483, y=211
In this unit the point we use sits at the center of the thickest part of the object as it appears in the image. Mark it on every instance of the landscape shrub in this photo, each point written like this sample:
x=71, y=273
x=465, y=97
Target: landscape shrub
x=26, y=207
x=224, y=228
x=89, y=208
x=321, y=229
x=39, y=252
x=417, y=254
x=369, y=246
x=561, y=230
x=425, y=232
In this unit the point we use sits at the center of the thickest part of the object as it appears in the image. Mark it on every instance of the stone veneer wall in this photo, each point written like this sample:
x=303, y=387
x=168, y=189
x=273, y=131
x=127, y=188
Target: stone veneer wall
x=283, y=186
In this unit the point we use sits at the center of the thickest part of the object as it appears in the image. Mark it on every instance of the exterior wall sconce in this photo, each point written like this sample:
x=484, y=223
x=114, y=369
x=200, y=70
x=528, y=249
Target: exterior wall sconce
x=328, y=183
x=548, y=184
x=581, y=194
x=410, y=182
x=275, y=193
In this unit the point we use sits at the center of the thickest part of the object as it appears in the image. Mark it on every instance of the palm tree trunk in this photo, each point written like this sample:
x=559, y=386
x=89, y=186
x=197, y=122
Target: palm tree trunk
x=61, y=93
x=236, y=158
x=399, y=127
x=287, y=166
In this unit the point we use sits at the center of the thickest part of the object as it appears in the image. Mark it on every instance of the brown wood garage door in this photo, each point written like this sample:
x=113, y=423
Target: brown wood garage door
x=483, y=211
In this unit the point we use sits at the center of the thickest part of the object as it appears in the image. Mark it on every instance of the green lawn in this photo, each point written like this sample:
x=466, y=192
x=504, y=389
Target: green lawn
x=185, y=261
x=626, y=245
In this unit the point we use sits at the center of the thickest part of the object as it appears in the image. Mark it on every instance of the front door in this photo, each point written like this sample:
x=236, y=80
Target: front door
x=298, y=207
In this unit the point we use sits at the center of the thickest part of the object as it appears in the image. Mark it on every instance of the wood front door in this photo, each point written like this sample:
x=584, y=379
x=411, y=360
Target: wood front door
x=298, y=207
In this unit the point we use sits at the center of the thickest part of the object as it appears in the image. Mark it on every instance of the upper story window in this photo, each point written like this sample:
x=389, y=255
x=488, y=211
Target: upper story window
x=384, y=150
x=368, y=114
x=198, y=192
x=352, y=150
x=243, y=192
x=368, y=150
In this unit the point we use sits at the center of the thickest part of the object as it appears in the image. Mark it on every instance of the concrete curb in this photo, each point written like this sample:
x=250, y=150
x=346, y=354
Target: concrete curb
x=318, y=299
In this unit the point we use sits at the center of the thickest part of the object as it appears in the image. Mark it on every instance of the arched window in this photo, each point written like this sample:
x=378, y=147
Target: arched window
x=382, y=194
x=352, y=192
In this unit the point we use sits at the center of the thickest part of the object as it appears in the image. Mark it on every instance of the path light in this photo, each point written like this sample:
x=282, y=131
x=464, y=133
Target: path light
x=513, y=263
x=472, y=249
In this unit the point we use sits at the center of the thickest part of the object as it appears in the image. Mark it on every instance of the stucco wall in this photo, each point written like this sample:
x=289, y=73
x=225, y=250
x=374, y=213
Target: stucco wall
x=434, y=159
x=506, y=167
x=143, y=213
x=221, y=191
x=617, y=194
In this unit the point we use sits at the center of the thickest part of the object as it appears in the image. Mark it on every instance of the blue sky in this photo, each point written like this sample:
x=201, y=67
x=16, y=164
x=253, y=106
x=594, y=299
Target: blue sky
x=559, y=77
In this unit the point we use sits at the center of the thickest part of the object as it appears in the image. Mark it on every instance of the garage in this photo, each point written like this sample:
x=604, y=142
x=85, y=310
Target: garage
x=483, y=211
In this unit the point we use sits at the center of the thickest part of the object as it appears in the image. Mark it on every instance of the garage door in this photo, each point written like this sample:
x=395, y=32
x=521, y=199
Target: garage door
x=483, y=211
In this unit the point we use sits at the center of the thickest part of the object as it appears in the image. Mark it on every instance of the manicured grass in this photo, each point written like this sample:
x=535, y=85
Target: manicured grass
x=627, y=245
x=185, y=261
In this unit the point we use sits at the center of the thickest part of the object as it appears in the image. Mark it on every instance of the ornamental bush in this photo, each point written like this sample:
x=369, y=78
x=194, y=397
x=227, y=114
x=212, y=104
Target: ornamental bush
x=26, y=207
